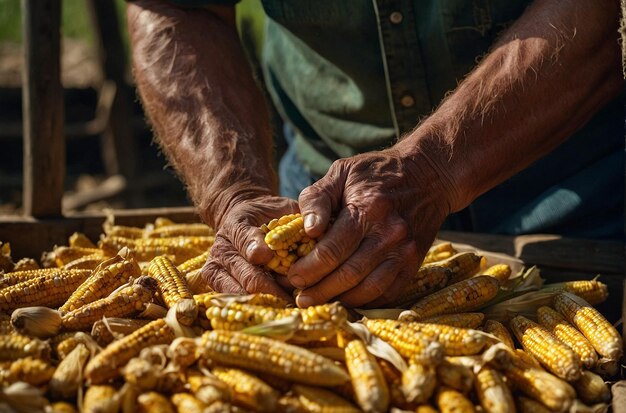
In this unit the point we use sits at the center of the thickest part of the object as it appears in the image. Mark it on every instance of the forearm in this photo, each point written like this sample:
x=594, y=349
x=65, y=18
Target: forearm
x=547, y=75
x=207, y=112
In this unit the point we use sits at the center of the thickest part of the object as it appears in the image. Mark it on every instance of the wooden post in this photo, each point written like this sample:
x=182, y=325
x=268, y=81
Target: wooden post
x=42, y=96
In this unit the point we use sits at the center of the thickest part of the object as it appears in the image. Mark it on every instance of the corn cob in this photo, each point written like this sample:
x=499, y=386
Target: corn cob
x=14, y=346
x=409, y=343
x=263, y=354
x=600, y=333
x=114, y=328
x=464, y=296
x=393, y=378
x=500, y=331
x=426, y=281
x=5, y=324
x=591, y=388
x=501, y=272
x=89, y=262
x=248, y=391
x=425, y=408
x=6, y=263
x=174, y=289
x=592, y=291
x=63, y=255
x=177, y=253
x=551, y=352
x=461, y=320
x=26, y=264
x=153, y=402
x=67, y=377
x=319, y=322
x=439, y=252
x=105, y=365
x=109, y=275
x=494, y=394
x=100, y=399
x=186, y=403
x=193, y=243
x=30, y=370
x=368, y=382
x=237, y=316
x=451, y=401
x=160, y=222
x=526, y=405
x=180, y=230
x=267, y=300
x=62, y=407
x=564, y=331
x=62, y=344
x=208, y=389
x=455, y=376
x=80, y=240
x=16, y=277
x=194, y=263
x=462, y=265
x=528, y=359
x=418, y=382
x=552, y=392
x=48, y=290
x=320, y=400
x=286, y=237
x=122, y=231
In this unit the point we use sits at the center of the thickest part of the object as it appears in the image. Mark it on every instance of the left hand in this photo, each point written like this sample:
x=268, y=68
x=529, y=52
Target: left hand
x=388, y=208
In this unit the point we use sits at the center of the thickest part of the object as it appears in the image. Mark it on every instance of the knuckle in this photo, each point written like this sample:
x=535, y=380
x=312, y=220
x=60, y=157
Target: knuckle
x=327, y=253
x=350, y=273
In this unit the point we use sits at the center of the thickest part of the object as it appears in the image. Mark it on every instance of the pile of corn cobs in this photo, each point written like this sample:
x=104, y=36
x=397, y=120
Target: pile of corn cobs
x=127, y=325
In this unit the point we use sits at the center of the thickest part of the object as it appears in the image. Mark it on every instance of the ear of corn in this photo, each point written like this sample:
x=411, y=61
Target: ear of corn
x=564, y=331
x=194, y=263
x=153, y=402
x=394, y=381
x=492, y=391
x=29, y=370
x=49, y=290
x=101, y=399
x=174, y=289
x=315, y=399
x=592, y=291
x=592, y=389
x=105, y=365
x=185, y=402
x=462, y=265
x=461, y=320
x=6, y=263
x=464, y=296
x=266, y=355
x=555, y=355
x=180, y=230
x=143, y=252
x=248, y=391
x=455, y=376
x=410, y=343
x=500, y=331
x=418, y=382
x=89, y=262
x=600, y=333
x=501, y=272
x=63, y=255
x=17, y=277
x=286, y=237
x=14, y=346
x=427, y=280
x=452, y=401
x=80, y=240
x=63, y=344
x=439, y=252
x=369, y=385
x=26, y=264
x=67, y=377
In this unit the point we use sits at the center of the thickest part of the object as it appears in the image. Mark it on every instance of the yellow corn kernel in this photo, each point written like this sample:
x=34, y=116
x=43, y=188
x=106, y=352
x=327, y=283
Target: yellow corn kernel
x=439, y=252
x=153, y=402
x=14, y=346
x=467, y=295
x=600, y=333
x=49, y=290
x=567, y=333
x=16, y=277
x=80, y=240
x=287, y=234
x=194, y=263
x=497, y=329
x=263, y=354
x=461, y=320
x=418, y=382
x=248, y=391
x=427, y=280
x=592, y=291
x=143, y=252
x=62, y=344
x=320, y=400
x=493, y=392
x=501, y=272
x=551, y=352
x=592, y=389
x=462, y=265
x=63, y=255
x=174, y=289
x=26, y=264
x=456, y=376
x=30, y=370
x=180, y=230
x=88, y=262
x=451, y=401
x=109, y=275
x=368, y=382
x=106, y=364
x=186, y=403
x=101, y=399
x=410, y=343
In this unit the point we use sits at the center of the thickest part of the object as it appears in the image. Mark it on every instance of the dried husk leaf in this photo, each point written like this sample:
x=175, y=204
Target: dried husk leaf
x=282, y=329
x=24, y=398
x=172, y=321
x=40, y=322
x=68, y=377
x=376, y=346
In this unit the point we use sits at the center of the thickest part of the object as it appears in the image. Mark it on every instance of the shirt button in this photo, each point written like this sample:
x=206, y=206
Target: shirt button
x=395, y=17
x=407, y=101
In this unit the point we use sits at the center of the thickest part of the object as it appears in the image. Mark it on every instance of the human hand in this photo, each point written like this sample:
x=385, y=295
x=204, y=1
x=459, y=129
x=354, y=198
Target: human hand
x=389, y=208
x=239, y=249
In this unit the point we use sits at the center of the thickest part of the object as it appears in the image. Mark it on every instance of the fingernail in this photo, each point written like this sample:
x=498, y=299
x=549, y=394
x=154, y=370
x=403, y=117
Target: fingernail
x=251, y=248
x=304, y=301
x=297, y=281
x=309, y=221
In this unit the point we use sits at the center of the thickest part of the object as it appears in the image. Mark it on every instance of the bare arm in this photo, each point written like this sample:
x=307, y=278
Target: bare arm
x=552, y=70
x=212, y=122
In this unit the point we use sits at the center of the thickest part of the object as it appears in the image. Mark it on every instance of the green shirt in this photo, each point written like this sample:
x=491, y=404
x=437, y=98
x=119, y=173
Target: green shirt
x=351, y=76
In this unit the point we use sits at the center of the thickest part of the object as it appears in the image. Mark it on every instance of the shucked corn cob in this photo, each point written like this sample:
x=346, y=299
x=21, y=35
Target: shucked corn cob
x=462, y=320
x=411, y=344
x=501, y=272
x=418, y=382
x=26, y=264
x=248, y=390
x=427, y=280
x=30, y=370
x=451, y=401
x=369, y=385
x=592, y=291
x=14, y=346
x=143, y=252
x=492, y=391
x=286, y=237
x=180, y=230
x=17, y=277
x=174, y=289
x=462, y=265
x=500, y=331
x=319, y=400
x=194, y=263
x=439, y=252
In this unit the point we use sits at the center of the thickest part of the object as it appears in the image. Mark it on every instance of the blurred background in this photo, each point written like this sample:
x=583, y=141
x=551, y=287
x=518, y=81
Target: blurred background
x=112, y=159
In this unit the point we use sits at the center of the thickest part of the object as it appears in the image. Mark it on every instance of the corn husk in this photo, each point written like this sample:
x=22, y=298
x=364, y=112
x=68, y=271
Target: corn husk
x=40, y=322
x=67, y=379
x=23, y=398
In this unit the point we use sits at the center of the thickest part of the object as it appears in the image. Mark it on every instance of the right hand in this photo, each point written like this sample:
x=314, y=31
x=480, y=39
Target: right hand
x=239, y=252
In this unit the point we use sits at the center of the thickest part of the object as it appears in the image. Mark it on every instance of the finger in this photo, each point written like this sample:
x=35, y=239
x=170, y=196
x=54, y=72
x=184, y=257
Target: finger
x=219, y=280
x=394, y=290
x=318, y=201
x=368, y=256
x=373, y=286
x=284, y=283
x=341, y=240
x=249, y=241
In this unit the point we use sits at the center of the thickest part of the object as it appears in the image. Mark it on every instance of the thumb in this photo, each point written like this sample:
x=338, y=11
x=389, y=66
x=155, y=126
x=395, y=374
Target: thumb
x=318, y=201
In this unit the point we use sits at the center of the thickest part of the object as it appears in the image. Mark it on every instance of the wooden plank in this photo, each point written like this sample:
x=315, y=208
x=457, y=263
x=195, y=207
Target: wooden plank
x=44, y=145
